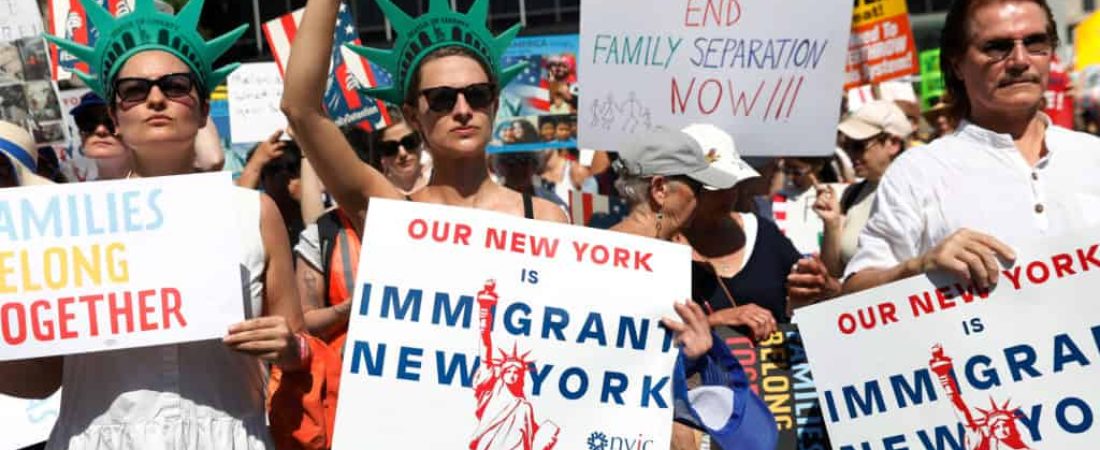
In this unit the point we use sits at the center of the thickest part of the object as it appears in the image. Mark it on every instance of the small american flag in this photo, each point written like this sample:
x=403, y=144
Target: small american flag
x=595, y=210
x=348, y=74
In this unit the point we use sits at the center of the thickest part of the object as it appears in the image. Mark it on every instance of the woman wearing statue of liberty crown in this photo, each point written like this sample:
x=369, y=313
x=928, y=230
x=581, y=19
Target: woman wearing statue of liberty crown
x=156, y=73
x=447, y=76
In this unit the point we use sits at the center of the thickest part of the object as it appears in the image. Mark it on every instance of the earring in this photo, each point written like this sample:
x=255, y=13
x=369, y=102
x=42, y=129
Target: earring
x=660, y=218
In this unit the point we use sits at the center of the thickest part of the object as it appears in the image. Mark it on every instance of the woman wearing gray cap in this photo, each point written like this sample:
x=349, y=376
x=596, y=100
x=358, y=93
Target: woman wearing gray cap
x=661, y=176
x=744, y=270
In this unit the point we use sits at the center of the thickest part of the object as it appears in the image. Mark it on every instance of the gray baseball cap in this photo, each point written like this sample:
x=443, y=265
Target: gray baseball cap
x=667, y=152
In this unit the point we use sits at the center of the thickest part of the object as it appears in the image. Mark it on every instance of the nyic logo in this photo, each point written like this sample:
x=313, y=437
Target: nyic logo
x=600, y=441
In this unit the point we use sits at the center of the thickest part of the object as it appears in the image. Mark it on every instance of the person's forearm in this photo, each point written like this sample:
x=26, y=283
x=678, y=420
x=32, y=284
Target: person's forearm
x=327, y=322
x=32, y=378
x=830, y=247
x=871, y=278
x=307, y=70
x=250, y=176
x=312, y=205
x=350, y=181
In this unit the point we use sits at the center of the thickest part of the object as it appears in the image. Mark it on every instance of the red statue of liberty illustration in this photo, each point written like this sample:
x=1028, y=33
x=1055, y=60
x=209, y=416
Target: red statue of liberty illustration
x=995, y=429
x=506, y=420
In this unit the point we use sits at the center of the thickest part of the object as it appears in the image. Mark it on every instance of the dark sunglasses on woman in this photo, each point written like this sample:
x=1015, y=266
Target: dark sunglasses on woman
x=442, y=99
x=173, y=85
x=411, y=143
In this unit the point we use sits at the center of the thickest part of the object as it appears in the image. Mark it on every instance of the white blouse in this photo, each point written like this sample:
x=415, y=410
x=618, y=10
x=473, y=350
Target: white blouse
x=199, y=395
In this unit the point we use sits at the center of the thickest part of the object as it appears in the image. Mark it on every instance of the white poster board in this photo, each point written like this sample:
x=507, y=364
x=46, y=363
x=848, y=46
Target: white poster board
x=928, y=362
x=768, y=72
x=117, y=264
x=577, y=308
x=255, y=90
x=19, y=19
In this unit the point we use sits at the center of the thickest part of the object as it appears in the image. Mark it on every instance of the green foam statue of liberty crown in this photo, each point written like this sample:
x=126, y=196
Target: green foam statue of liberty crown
x=439, y=27
x=145, y=29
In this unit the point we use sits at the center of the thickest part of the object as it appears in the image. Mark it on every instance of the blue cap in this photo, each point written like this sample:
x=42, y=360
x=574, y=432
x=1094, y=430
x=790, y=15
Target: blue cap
x=86, y=101
x=724, y=406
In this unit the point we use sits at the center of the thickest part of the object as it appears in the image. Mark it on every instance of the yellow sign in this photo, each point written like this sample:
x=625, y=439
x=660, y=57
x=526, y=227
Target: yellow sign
x=867, y=11
x=1088, y=42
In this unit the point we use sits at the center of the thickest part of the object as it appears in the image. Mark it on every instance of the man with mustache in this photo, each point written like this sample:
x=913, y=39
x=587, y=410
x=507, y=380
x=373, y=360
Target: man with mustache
x=1006, y=176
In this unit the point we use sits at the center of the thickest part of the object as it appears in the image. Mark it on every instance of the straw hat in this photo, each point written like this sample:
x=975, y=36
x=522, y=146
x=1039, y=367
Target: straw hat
x=18, y=146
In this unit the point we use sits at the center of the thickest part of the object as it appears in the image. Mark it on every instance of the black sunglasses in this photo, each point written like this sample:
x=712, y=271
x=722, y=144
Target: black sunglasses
x=442, y=99
x=1039, y=44
x=88, y=122
x=411, y=143
x=173, y=85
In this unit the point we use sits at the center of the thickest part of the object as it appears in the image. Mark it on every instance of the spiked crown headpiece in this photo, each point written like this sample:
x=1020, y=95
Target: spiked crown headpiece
x=145, y=29
x=440, y=27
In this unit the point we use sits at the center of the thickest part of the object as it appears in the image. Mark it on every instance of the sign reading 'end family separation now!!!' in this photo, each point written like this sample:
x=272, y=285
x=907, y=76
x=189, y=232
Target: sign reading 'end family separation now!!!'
x=930, y=363
x=478, y=330
x=769, y=72
x=119, y=264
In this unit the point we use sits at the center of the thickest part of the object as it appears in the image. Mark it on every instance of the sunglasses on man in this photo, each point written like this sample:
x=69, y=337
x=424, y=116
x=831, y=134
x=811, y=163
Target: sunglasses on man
x=410, y=142
x=442, y=99
x=1039, y=44
x=173, y=85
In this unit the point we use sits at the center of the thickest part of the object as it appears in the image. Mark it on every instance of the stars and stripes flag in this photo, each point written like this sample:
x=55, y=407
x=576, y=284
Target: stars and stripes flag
x=68, y=19
x=348, y=74
x=529, y=87
x=595, y=210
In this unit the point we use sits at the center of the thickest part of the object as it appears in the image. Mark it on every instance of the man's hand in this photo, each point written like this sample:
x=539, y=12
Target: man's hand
x=809, y=282
x=759, y=320
x=969, y=255
x=827, y=205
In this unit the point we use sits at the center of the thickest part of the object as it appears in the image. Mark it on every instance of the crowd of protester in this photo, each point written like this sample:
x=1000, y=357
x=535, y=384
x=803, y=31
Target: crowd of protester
x=768, y=235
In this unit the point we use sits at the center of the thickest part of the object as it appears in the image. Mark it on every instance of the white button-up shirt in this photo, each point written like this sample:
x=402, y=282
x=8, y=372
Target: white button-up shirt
x=978, y=179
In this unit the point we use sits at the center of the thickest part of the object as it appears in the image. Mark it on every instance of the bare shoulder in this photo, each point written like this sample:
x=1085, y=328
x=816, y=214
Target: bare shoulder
x=548, y=211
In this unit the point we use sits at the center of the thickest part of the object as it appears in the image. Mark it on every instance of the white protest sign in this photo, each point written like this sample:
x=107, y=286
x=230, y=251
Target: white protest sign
x=27, y=422
x=930, y=363
x=19, y=19
x=117, y=264
x=768, y=72
x=255, y=91
x=570, y=325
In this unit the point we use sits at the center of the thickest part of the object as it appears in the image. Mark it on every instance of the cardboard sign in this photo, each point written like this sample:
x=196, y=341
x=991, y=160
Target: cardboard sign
x=933, y=363
x=779, y=373
x=770, y=73
x=117, y=264
x=255, y=91
x=931, y=79
x=538, y=110
x=19, y=19
x=497, y=338
x=882, y=46
x=1086, y=46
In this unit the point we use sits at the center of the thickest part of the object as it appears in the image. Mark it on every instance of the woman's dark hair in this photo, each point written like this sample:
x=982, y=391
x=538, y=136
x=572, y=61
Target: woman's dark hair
x=955, y=39
x=414, y=86
x=530, y=134
x=275, y=178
